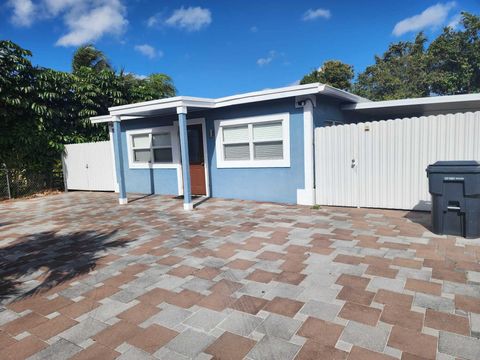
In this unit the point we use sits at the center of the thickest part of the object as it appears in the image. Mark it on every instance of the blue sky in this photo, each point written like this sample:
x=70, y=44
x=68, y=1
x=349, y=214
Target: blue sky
x=219, y=48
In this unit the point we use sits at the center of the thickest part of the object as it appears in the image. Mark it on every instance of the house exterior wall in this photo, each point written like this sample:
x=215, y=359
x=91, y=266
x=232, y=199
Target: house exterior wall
x=262, y=184
x=330, y=109
x=147, y=181
x=327, y=109
x=275, y=184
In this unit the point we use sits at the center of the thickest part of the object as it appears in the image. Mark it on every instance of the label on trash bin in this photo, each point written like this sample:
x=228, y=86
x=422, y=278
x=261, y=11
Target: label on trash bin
x=453, y=178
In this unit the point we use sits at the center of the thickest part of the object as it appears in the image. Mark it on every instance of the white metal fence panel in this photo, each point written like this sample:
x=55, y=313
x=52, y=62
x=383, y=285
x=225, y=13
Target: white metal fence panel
x=382, y=164
x=89, y=166
x=335, y=173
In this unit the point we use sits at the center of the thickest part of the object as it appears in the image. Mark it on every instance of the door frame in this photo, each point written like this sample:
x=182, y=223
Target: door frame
x=197, y=121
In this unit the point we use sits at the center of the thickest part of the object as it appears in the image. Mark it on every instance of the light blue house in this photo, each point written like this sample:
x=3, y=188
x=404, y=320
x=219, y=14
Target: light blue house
x=254, y=146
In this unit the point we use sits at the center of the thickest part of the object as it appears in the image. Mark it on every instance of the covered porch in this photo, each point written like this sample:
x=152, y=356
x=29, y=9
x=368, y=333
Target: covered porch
x=187, y=148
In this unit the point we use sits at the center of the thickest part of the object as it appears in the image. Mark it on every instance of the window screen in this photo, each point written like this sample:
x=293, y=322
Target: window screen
x=268, y=150
x=254, y=142
x=235, y=134
x=141, y=141
x=236, y=143
x=237, y=152
x=268, y=131
x=152, y=148
x=162, y=155
x=141, y=155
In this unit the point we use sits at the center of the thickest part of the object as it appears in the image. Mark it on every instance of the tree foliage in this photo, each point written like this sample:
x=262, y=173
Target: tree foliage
x=91, y=57
x=454, y=59
x=42, y=109
x=16, y=93
x=152, y=87
x=400, y=72
x=332, y=72
x=448, y=65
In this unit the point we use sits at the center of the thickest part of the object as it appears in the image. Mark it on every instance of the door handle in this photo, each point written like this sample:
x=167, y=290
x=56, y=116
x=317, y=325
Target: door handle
x=353, y=163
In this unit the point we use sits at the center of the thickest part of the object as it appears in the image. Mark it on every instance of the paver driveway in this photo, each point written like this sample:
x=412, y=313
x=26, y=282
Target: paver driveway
x=233, y=279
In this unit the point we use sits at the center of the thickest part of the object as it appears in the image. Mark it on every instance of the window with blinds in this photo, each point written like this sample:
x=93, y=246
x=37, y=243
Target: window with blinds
x=262, y=141
x=268, y=141
x=254, y=142
x=236, y=143
x=153, y=148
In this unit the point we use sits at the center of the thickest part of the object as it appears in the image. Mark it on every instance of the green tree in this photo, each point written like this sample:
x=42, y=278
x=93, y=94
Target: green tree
x=332, y=72
x=401, y=72
x=454, y=58
x=17, y=121
x=89, y=56
x=154, y=86
x=160, y=85
x=42, y=109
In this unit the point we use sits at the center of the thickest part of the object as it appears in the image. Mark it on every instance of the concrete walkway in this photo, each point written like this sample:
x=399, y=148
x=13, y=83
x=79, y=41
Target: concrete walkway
x=85, y=278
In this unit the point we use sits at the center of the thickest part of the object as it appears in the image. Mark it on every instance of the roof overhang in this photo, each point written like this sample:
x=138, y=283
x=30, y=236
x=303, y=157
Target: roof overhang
x=168, y=106
x=425, y=105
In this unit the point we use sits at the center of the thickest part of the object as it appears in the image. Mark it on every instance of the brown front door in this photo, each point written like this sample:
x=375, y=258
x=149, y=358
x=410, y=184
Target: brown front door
x=197, y=159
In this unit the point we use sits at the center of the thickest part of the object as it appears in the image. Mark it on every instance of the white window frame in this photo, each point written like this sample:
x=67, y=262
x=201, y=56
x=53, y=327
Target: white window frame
x=173, y=130
x=252, y=163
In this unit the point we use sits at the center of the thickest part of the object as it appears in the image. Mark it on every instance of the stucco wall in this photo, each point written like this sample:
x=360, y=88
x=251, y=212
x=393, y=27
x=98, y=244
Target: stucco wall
x=261, y=184
x=147, y=181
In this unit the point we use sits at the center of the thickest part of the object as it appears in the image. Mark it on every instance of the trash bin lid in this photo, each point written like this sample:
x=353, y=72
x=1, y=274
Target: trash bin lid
x=457, y=166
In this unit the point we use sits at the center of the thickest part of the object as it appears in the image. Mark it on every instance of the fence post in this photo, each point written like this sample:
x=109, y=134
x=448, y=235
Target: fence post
x=65, y=188
x=8, y=183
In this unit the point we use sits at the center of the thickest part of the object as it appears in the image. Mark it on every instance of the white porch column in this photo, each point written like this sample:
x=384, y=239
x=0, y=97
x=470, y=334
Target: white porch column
x=306, y=196
x=182, y=128
x=117, y=144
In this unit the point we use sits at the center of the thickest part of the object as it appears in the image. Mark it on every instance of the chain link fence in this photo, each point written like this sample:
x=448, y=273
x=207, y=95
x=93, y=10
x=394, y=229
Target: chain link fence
x=15, y=183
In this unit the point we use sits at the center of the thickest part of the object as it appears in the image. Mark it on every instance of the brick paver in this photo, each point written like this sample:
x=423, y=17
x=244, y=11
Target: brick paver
x=86, y=278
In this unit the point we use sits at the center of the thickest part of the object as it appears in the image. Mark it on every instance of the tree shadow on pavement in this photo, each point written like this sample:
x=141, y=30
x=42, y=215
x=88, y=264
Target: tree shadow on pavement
x=38, y=262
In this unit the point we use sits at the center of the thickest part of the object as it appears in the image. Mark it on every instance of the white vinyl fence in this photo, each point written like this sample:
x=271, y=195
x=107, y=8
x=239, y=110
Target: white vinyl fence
x=89, y=166
x=382, y=164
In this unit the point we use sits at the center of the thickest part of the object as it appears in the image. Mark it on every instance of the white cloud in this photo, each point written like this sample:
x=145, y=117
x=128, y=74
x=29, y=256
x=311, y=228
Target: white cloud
x=190, y=19
x=455, y=21
x=433, y=16
x=54, y=7
x=268, y=59
x=148, y=50
x=152, y=20
x=86, y=20
x=313, y=14
x=23, y=12
x=87, y=24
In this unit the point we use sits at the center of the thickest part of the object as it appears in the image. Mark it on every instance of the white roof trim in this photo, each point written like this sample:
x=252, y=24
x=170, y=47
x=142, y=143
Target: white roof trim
x=172, y=102
x=100, y=119
x=206, y=103
x=447, y=99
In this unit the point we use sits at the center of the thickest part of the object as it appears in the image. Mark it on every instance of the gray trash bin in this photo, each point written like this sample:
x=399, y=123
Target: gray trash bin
x=455, y=190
